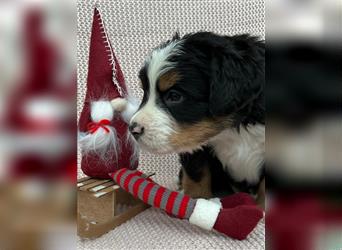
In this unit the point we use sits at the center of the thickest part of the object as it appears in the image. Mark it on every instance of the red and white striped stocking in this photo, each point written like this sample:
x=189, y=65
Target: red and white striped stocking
x=235, y=216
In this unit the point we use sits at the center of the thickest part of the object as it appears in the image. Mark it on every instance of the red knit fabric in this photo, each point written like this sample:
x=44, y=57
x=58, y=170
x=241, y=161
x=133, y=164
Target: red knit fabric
x=136, y=186
x=100, y=86
x=183, y=207
x=239, y=221
x=171, y=202
x=159, y=196
x=126, y=180
x=147, y=192
x=239, y=216
x=237, y=199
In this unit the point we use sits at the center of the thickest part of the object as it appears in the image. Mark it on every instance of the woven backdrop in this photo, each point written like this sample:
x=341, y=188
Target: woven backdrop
x=135, y=27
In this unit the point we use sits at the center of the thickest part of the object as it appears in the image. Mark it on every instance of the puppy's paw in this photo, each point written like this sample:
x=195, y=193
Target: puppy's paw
x=119, y=104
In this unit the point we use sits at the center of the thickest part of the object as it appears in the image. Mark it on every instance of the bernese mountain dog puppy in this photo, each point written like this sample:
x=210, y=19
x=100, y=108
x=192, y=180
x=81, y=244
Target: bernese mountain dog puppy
x=204, y=99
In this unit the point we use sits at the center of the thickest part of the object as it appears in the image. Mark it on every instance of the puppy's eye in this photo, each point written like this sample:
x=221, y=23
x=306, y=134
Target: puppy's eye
x=173, y=97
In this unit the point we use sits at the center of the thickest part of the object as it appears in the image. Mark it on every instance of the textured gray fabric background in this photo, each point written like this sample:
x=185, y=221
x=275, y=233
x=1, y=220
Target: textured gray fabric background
x=134, y=28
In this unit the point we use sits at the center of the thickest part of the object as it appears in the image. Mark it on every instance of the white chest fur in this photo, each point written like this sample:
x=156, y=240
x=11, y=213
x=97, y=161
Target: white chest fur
x=241, y=153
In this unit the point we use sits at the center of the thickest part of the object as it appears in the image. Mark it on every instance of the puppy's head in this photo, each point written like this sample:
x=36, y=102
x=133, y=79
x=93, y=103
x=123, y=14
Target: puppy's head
x=195, y=87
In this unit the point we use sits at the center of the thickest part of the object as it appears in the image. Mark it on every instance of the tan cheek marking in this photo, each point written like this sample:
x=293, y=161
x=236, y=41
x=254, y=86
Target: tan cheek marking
x=167, y=80
x=201, y=189
x=194, y=135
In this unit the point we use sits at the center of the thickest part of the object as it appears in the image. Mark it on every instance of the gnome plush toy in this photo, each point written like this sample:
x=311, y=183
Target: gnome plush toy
x=105, y=142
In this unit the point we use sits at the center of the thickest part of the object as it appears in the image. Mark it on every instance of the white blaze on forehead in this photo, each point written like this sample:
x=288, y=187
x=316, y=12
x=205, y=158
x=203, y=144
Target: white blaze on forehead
x=157, y=122
x=158, y=62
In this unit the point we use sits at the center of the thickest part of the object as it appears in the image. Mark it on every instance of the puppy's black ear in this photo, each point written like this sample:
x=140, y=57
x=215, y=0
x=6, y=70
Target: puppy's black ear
x=236, y=75
x=225, y=85
x=175, y=36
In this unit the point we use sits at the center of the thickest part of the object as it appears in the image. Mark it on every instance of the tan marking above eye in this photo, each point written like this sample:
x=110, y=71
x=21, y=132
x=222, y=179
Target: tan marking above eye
x=167, y=80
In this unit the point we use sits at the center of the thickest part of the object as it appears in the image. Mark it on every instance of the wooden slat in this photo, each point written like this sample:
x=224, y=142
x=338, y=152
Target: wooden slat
x=83, y=179
x=106, y=191
x=94, y=184
x=100, y=187
x=81, y=184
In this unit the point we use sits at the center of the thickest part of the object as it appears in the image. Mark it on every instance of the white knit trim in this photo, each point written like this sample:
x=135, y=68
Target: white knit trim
x=109, y=50
x=205, y=214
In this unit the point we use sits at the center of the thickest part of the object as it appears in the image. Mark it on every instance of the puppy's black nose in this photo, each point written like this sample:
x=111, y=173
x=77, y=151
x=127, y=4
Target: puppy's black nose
x=136, y=130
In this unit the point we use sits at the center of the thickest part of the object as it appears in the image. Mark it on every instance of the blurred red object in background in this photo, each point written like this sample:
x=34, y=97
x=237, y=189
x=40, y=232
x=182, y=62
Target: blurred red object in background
x=305, y=220
x=40, y=117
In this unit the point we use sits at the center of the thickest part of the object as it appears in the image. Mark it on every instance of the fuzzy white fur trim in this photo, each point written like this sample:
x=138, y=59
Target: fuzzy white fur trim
x=217, y=201
x=100, y=142
x=205, y=214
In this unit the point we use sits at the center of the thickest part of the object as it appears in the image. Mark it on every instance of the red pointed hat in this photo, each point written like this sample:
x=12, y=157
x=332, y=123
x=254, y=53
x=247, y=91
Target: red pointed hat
x=104, y=138
x=105, y=78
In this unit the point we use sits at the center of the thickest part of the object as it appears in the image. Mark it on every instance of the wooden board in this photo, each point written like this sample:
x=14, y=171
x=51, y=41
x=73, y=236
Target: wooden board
x=98, y=205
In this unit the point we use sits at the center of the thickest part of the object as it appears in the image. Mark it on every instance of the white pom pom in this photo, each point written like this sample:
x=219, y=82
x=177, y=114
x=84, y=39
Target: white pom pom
x=100, y=110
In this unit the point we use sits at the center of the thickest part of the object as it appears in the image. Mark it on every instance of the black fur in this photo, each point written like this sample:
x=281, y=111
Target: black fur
x=220, y=76
x=145, y=85
x=230, y=68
